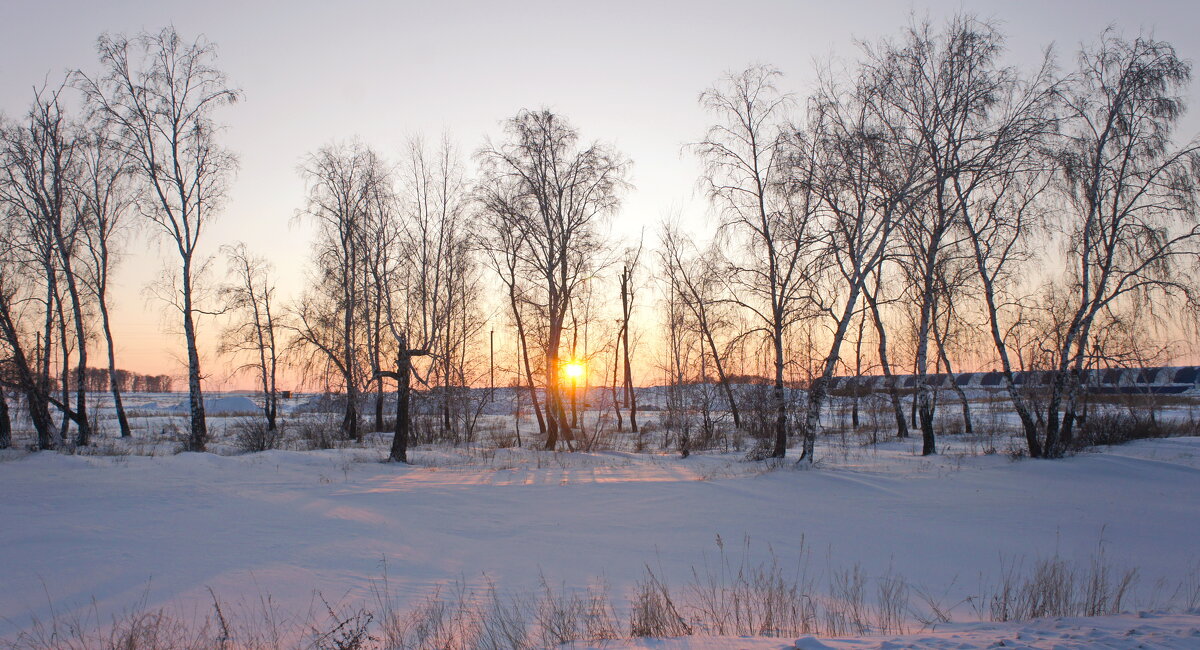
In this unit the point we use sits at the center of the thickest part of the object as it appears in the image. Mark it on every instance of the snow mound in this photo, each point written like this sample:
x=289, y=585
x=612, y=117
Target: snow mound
x=220, y=405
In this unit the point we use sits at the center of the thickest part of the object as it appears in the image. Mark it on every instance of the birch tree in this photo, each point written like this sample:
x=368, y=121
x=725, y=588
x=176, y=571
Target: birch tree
x=38, y=184
x=552, y=194
x=939, y=89
x=1131, y=228
x=106, y=196
x=348, y=187
x=862, y=181
x=159, y=93
x=628, y=286
x=440, y=278
x=255, y=333
x=693, y=275
x=770, y=230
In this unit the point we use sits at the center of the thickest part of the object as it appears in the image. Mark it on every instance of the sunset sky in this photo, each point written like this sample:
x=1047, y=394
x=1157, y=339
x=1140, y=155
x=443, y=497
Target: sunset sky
x=625, y=72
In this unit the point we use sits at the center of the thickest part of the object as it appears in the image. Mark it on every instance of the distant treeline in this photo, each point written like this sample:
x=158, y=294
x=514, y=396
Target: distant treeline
x=128, y=381
x=96, y=380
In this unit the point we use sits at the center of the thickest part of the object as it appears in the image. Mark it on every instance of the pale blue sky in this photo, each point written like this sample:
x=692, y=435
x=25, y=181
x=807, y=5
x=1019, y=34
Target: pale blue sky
x=625, y=72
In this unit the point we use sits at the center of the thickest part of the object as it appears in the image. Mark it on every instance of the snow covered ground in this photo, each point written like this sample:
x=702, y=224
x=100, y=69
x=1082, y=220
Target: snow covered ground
x=98, y=535
x=1146, y=630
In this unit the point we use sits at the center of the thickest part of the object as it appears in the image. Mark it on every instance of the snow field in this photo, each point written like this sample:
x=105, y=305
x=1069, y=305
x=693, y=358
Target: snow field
x=285, y=524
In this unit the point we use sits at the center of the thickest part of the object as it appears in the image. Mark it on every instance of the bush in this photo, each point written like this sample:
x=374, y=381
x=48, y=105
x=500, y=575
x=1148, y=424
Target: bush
x=251, y=434
x=762, y=449
x=1119, y=428
x=320, y=433
x=500, y=435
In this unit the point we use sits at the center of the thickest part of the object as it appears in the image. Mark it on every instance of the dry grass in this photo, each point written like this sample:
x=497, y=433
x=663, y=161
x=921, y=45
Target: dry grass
x=1055, y=587
x=751, y=598
x=728, y=597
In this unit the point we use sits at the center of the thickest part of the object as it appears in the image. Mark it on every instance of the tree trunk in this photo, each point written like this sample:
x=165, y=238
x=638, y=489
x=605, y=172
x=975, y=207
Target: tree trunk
x=198, y=437
x=524, y=345
x=630, y=395
x=968, y=425
x=615, y=395
x=780, y=448
x=557, y=424
x=399, y=451
x=819, y=389
x=924, y=396
x=272, y=397
x=962, y=395
x=5, y=422
x=817, y=392
x=446, y=428
x=83, y=428
x=379, y=406
x=65, y=379
x=862, y=326
x=889, y=378
x=114, y=385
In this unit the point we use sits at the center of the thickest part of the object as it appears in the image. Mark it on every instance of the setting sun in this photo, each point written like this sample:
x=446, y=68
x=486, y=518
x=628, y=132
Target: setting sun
x=573, y=369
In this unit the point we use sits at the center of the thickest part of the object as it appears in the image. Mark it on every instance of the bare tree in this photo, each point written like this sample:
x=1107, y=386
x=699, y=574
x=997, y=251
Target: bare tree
x=377, y=259
x=1132, y=217
x=543, y=188
x=106, y=195
x=741, y=154
x=502, y=247
x=629, y=267
x=440, y=274
x=939, y=90
x=678, y=365
x=250, y=296
x=862, y=181
x=349, y=188
x=39, y=181
x=694, y=276
x=160, y=92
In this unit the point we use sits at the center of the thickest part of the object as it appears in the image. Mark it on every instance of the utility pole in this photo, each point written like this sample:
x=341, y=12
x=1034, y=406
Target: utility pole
x=403, y=377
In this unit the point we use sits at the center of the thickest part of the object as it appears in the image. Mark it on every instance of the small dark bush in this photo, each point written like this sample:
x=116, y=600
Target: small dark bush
x=319, y=433
x=1119, y=428
x=762, y=449
x=251, y=434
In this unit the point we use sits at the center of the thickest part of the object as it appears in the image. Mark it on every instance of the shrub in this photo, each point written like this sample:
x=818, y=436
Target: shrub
x=762, y=449
x=251, y=434
x=1119, y=428
x=320, y=433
